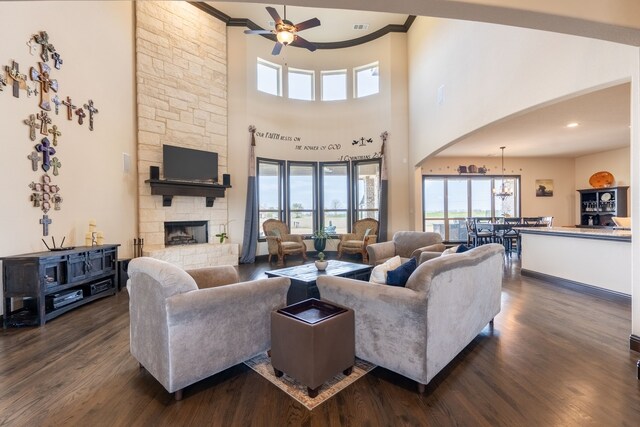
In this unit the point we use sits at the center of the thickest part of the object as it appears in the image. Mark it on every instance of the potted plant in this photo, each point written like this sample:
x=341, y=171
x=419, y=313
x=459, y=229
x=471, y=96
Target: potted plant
x=320, y=239
x=321, y=264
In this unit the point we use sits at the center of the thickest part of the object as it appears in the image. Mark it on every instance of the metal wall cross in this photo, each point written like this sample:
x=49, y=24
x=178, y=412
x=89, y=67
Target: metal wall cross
x=46, y=83
x=44, y=192
x=55, y=133
x=43, y=40
x=92, y=110
x=45, y=221
x=45, y=121
x=56, y=101
x=70, y=108
x=57, y=61
x=55, y=164
x=35, y=158
x=47, y=151
x=81, y=115
x=3, y=82
x=16, y=76
x=31, y=122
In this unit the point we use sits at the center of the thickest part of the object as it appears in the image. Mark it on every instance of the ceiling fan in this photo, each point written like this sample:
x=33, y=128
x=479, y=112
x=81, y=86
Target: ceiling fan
x=286, y=31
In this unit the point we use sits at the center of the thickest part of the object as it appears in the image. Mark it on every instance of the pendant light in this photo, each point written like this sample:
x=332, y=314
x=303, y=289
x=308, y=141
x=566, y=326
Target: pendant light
x=504, y=191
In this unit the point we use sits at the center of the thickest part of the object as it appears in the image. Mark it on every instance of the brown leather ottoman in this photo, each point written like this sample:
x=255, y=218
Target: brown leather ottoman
x=312, y=341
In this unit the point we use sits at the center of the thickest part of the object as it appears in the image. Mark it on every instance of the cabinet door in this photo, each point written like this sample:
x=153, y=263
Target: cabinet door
x=110, y=258
x=77, y=267
x=95, y=261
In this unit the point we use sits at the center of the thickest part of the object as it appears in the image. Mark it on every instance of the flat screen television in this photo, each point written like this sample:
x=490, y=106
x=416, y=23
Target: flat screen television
x=181, y=163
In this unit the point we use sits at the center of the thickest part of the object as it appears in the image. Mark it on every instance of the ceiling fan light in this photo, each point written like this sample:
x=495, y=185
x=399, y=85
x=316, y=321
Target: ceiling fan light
x=285, y=37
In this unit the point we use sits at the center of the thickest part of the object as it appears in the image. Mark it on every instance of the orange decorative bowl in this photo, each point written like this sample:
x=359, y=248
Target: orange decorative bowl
x=601, y=179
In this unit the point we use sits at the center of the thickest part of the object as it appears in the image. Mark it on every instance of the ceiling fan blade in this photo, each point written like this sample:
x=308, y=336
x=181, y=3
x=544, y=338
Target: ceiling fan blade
x=314, y=22
x=258, y=32
x=299, y=41
x=277, y=48
x=274, y=14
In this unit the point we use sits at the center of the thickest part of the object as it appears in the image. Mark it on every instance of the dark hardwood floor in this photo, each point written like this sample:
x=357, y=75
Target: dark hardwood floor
x=556, y=357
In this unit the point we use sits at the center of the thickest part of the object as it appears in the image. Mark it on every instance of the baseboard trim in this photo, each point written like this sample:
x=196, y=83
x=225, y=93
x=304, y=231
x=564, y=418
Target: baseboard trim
x=578, y=286
x=634, y=343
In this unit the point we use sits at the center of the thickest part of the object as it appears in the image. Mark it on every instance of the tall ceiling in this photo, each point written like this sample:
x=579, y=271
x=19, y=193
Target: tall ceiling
x=603, y=116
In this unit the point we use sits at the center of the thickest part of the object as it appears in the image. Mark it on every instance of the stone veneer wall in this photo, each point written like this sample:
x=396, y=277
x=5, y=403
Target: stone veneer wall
x=181, y=71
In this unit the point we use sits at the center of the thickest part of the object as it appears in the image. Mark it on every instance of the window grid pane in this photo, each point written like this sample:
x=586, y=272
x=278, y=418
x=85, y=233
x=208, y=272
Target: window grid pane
x=367, y=81
x=270, y=192
x=269, y=77
x=301, y=198
x=335, y=196
x=367, y=190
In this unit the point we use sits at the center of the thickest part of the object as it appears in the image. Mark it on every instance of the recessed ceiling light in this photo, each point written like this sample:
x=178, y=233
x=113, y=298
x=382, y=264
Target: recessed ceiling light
x=573, y=125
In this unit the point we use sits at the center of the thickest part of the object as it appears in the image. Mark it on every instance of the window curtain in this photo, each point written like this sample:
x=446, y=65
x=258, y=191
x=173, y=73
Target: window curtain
x=384, y=192
x=250, y=239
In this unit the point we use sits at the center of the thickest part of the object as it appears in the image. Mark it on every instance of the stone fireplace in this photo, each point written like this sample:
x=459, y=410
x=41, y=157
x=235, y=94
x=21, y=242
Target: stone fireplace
x=186, y=232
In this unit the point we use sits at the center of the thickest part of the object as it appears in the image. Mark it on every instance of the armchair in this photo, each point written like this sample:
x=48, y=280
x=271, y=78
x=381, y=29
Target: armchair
x=280, y=243
x=364, y=233
x=407, y=244
x=182, y=332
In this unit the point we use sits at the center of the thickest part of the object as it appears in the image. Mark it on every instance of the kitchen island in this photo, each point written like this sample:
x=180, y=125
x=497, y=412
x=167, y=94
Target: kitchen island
x=599, y=258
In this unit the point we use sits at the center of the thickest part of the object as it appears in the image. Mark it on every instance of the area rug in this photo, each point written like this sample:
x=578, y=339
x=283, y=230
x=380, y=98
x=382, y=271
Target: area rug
x=262, y=365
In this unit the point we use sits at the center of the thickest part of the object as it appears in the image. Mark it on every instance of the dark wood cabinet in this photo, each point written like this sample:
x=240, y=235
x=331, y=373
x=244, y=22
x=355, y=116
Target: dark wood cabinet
x=599, y=205
x=47, y=284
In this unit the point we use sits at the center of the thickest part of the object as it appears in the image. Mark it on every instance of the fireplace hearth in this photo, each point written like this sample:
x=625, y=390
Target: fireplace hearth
x=185, y=233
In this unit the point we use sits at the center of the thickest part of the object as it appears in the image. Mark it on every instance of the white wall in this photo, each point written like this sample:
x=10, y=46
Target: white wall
x=618, y=162
x=317, y=123
x=95, y=41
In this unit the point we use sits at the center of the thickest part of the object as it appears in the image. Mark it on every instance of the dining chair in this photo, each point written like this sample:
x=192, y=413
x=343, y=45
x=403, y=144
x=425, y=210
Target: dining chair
x=511, y=237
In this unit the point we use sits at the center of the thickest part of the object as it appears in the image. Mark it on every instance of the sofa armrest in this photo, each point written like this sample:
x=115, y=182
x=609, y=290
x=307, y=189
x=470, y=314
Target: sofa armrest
x=380, y=251
x=208, y=277
x=348, y=236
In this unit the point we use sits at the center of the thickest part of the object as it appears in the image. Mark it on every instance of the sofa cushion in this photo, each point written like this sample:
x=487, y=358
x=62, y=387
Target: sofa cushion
x=379, y=272
x=400, y=275
x=451, y=250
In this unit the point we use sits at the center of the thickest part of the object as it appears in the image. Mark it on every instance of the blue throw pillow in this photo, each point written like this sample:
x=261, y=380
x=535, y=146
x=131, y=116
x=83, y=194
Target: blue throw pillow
x=400, y=275
x=462, y=248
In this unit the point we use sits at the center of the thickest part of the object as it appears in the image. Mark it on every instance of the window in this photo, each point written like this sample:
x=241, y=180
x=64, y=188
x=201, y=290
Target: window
x=366, y=80
x=334, y=85
x=301, y=84
x=312, y=195
x=302, y=196
x=270, y=194
x=367, y=194
x=334, y=185
x=448, y=201
x=269, y=77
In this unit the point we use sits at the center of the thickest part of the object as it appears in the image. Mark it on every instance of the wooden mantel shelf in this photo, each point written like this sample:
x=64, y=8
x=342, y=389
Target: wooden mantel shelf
x=167, y=189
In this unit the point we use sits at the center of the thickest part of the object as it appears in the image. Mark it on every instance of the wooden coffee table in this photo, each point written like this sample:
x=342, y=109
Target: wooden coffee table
x=303, y=277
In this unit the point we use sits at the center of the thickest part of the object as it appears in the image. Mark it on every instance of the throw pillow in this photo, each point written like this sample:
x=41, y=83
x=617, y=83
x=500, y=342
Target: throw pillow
x=462, y=248
x=400, y=275
x=451, y=250
x=379, y=272
x=366, y=232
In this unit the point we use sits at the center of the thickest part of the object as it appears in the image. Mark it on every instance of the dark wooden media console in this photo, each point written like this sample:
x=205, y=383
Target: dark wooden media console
x=47, y=284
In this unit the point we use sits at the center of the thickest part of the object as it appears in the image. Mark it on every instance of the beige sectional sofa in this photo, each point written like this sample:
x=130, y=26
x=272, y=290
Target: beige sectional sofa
x=187, y=326
x=406, y=244
x=417, y=330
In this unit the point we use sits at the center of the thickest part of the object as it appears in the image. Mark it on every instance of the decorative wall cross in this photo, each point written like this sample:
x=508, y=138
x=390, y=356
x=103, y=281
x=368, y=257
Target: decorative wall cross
x=55, y=133
x=35, y=158
x=46, y=83
x=92, y=110
x=57, y=199
x=57, y=61
x=45, y=221
x=43, y=40
x=55, y=164
x=56, y=101
x=3, y=82
x=33, y=46
x=30, y=91
x=47, y=151
x=70, y=108
x=362, y=141
x=45, y=121
x=14, y=73
x=43, y=192
x=81, y=115
x=31, y=122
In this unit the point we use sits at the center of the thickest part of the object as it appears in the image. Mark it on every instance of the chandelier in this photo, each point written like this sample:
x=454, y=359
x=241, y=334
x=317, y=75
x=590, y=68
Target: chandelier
x=504, y=190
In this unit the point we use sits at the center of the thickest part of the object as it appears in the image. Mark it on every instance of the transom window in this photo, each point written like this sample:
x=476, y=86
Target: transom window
x=334, y=85
x=269, y=77
x=301, y=84
x=366, y=80
x=449, y=200
x=318, y=195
